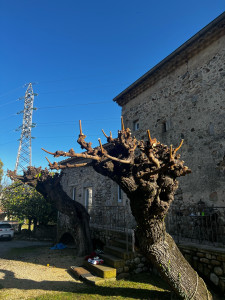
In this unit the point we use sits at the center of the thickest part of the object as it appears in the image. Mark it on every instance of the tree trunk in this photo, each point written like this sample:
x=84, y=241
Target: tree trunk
x=164, y=254
x=78, y=215
x=49, y=186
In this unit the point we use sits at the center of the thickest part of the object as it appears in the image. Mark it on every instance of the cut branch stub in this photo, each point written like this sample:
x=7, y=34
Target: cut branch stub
x=122, y=124
x=109, y=138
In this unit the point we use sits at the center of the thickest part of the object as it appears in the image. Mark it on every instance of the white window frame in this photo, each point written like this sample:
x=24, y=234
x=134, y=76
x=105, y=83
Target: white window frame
x=87, y=196
x=119, y=194
x=136, y=125
x=74, y=193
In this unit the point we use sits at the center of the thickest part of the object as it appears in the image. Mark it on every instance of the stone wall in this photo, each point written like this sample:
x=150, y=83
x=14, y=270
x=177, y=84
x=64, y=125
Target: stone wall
x=105, y=209
x=208, y=262
x=187, y=102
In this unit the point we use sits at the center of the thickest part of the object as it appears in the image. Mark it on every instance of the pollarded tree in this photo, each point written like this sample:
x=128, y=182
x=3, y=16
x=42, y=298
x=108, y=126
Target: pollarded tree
x=147, y=172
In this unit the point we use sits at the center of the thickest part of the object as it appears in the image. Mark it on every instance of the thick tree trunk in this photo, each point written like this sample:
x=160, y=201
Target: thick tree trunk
x=164, y=254
x=49, y=186
x=78, y=215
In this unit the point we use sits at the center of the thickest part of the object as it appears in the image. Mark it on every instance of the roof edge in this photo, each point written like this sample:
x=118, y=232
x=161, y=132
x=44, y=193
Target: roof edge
x=119, y=98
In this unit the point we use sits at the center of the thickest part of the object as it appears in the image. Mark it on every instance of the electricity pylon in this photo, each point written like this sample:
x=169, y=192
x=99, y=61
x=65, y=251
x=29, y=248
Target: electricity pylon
x=23, y=159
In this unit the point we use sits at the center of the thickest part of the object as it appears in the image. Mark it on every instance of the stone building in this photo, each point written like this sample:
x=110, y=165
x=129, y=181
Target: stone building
x=183, y=97
x=107, y=205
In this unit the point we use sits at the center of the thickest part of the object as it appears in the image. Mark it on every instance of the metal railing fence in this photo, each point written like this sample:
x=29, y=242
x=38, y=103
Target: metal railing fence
x=197, y=223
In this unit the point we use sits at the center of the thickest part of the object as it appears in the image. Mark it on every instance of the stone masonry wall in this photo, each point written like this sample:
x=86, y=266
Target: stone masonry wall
x=188, y=103
x=104, y=196
x=208, y=262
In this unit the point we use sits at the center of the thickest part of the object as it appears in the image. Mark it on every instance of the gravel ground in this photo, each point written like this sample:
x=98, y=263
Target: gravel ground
x=28, y=272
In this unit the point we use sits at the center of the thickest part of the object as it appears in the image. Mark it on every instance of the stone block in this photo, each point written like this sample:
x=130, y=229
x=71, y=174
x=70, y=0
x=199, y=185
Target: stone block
x=221, y=257
x=215, y=262
x=200, y=254
x=210, y=267
x=218, y=271
x=138, y=270
x=137, y=260
x=204, y=260
x=214, y=278
x=208, y=255
x=141, y=265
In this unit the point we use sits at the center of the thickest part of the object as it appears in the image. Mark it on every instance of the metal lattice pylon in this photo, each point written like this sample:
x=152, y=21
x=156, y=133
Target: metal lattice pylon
x=23, y=159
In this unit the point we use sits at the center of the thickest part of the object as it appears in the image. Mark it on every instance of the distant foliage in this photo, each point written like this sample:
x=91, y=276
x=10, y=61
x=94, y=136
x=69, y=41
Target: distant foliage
x=1, y=172
x=24, y=202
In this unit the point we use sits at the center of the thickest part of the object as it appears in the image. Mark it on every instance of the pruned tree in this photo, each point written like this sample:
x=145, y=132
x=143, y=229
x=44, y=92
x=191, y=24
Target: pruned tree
x=146, y=171
x=48, y=184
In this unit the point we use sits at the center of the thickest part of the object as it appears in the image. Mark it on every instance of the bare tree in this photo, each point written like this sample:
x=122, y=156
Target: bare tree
x=146, y=171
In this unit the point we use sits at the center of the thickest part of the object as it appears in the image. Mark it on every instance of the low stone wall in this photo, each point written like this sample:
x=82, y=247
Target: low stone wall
x=207, y=261
x=136, y=265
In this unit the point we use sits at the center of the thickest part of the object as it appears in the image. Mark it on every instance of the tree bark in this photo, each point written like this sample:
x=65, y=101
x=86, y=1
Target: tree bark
x=164, y=254
x=49, y=186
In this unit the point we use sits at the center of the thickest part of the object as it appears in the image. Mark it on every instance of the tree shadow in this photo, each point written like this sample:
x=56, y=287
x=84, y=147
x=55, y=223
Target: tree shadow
x=44, y=255
x=11, y=282
x=150, y=278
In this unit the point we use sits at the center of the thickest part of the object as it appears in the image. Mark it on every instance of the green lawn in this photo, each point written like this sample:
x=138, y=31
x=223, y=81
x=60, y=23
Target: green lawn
x=141, y=286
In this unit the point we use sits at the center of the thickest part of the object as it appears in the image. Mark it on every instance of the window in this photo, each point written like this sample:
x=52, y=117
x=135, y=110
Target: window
x=119, y=191
x=136, y=125
x=167, y=125
x=88, y=197
x=74, y=194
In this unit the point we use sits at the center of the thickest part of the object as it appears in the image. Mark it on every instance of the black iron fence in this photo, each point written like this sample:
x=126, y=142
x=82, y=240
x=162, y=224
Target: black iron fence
x=200, y=224
x=193, y=223
x=113, y=218
x=108, y=217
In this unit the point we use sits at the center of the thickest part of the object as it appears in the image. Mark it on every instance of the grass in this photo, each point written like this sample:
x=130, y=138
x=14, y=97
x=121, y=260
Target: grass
x=141, y=286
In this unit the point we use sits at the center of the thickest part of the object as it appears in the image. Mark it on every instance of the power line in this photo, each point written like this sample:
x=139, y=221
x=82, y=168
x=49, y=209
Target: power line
x=11, y=91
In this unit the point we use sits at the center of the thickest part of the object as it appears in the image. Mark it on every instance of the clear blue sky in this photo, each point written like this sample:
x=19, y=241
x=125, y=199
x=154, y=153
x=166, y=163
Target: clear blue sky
x=81, y=54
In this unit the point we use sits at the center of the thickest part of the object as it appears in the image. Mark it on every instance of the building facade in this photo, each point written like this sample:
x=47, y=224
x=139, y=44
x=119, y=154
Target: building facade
x=183, y=97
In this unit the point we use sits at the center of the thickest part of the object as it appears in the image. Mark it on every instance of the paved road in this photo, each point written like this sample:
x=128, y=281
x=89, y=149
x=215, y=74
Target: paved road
x=6, y=246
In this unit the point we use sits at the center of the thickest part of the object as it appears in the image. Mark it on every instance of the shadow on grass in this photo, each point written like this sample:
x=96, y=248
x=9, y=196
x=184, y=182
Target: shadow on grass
x=42, y=255
x=122, y=288
x=152, y=278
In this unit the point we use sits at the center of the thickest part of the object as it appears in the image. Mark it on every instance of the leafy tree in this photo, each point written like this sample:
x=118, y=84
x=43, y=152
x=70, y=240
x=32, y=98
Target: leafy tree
x=22, y=201
x=147, y=172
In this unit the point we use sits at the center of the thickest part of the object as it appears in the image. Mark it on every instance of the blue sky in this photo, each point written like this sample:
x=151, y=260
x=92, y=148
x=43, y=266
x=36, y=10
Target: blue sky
x=80, y=55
